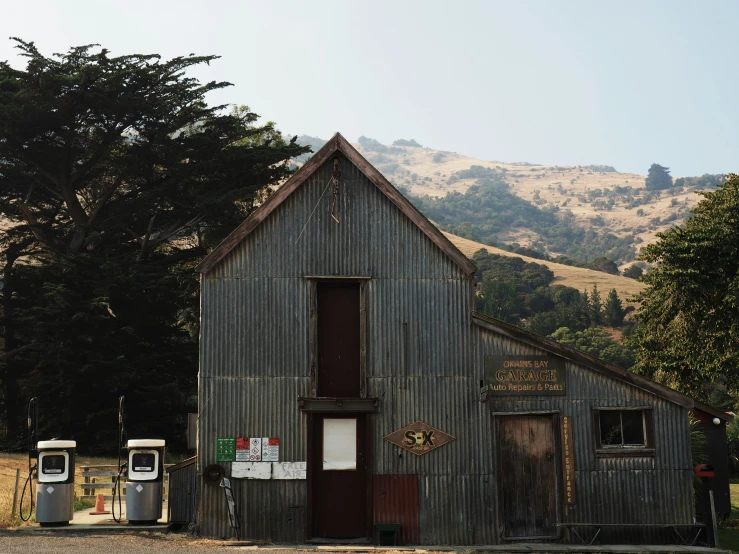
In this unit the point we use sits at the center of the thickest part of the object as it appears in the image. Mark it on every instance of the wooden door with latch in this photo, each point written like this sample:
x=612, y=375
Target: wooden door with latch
x=528, y=476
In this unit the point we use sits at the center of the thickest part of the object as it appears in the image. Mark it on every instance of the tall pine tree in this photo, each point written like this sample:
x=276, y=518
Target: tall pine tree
x=119, y=177
x=596, y=307
x=613, y=311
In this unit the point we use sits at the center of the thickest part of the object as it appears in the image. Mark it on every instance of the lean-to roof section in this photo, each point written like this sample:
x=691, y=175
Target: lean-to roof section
x=585, y=360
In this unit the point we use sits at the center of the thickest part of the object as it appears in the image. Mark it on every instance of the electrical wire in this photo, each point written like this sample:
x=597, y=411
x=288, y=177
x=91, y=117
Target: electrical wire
x=314, y=209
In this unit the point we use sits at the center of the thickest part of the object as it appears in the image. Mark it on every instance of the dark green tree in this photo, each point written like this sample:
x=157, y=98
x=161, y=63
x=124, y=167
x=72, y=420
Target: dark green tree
x=119, y=177
x=501, y=300
x=596, y=342
x=658, y=178
x=688, y=331
x=613, y=311
x=596, y=306
x=604, y=264
x=633, y=272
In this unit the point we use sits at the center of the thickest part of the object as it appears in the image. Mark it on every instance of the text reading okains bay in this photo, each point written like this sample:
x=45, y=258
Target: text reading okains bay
x=525, y=375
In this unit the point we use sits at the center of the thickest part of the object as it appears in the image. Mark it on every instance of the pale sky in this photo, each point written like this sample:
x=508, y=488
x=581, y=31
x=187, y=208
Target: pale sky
x=555, y=82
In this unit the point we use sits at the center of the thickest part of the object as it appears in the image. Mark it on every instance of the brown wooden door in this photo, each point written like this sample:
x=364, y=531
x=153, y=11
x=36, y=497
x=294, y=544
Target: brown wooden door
x=527, y=476
x=338, y=340
x=340, y=476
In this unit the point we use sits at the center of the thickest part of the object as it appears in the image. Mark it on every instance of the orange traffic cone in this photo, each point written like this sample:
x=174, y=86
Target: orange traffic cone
x=99, y=506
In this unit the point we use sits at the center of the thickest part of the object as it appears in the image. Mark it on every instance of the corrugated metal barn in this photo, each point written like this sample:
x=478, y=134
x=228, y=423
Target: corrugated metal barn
x=346, y=382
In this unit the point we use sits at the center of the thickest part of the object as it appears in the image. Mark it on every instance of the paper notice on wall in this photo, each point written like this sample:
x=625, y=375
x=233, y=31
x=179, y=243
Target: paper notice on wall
x=255, y=449
x=270, y=449
x=242, y=449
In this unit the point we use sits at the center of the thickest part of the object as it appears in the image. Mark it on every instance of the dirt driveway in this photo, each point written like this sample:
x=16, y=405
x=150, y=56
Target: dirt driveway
x=40, y=542
x=49, y=542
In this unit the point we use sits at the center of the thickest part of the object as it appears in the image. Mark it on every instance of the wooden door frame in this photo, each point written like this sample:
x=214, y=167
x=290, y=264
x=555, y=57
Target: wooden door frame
x=310, y=473
x=313, y=339
x=556, y=424
x=363, y=281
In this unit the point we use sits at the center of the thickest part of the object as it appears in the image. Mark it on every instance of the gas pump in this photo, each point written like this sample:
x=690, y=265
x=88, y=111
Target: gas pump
x=54, y=474
x=144, y=488
x=144, y=471
x=55, y=482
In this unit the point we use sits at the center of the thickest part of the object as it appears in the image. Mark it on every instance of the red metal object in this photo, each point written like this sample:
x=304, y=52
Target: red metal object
x=395, y=500
x=704, y=470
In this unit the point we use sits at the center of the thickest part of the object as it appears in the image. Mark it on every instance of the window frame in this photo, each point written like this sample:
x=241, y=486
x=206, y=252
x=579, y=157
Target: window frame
x=613, y=451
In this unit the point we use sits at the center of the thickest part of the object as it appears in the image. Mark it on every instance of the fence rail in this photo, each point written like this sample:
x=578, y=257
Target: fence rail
x=97, y=478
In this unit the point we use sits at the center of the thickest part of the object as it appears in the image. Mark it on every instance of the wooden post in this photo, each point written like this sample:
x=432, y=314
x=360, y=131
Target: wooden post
x=15, y=491
x=713, y=521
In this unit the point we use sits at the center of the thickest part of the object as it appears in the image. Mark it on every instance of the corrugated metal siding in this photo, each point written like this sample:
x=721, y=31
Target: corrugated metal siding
x=253, y=407
x=613, y=490
x=181, y=497
x=395, y=500
x=255, y=325
x=424, y=361
x=374, y=237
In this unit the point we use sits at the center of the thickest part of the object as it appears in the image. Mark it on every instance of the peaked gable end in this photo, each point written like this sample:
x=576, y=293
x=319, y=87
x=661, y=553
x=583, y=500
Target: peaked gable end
x=337, y=144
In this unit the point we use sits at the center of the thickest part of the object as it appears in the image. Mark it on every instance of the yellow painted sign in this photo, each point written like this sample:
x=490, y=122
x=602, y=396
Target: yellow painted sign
x=568, y=462
x=525, y=375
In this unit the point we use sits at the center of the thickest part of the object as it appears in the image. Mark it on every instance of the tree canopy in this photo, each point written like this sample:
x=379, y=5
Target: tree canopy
x=117, y=177
x=688, y=332
x=658, y=178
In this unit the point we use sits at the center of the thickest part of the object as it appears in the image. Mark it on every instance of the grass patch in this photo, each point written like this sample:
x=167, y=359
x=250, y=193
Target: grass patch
x=83, y=504
x=728, y=533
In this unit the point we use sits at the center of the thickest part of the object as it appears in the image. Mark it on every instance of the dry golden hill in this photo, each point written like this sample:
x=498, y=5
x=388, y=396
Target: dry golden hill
x=584, y=191
x=575, y=277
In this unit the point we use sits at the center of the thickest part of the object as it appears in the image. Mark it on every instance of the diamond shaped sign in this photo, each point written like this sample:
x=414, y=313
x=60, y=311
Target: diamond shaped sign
x=419, y=438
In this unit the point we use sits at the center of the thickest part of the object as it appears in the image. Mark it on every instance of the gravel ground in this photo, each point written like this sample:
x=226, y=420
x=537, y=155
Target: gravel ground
x=40, y=542
x=45, y=542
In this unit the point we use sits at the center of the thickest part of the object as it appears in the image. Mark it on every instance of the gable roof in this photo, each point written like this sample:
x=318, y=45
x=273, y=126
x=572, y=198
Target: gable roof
x=593, y=363
x=337, y=144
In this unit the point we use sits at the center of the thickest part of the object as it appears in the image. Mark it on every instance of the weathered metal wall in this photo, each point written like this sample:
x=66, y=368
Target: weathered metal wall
x=181, y=496
x=617, y=489
x=254, y=360
x=424, y=361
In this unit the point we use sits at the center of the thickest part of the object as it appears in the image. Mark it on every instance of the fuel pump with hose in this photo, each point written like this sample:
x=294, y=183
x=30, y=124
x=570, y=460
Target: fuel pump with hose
x=144, y=471
x=54, y=473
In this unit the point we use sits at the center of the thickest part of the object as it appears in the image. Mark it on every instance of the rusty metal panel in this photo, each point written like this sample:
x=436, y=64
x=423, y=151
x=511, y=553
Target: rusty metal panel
x=395, y=500
x=182, y=483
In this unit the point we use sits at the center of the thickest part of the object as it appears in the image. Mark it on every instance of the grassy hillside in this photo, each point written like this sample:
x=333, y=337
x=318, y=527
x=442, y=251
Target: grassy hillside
x=596, y=198
x=575, y=277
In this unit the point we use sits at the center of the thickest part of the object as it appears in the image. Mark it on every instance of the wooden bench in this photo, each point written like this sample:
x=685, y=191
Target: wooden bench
x=683, y=536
